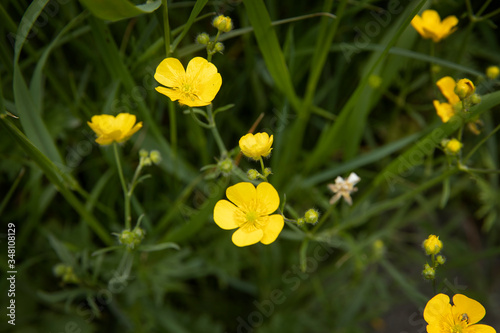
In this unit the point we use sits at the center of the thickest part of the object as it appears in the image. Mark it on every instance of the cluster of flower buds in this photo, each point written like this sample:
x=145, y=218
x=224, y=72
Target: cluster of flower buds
x=66, y=273
x=131, y=239
x=432, y=246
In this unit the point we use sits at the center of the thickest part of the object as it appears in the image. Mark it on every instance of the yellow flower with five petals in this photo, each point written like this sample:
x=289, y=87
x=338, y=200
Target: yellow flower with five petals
x=111, y=129
x=429, y=25
x=195, y=86
x=249, y=209
x=461, y=317
x=257, y=145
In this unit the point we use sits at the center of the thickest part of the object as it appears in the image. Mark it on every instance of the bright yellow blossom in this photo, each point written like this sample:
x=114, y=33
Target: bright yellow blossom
x=111, y=129
x=196, y=86
x=453, y=146
x=432, y=245
x=492, y=72
x=461, y=317
x=249, y=210
x=255, y=146
x=446, y=110
x=431, y=26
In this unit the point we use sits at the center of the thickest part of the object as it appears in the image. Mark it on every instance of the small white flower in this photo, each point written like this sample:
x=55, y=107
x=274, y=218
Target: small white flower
x=344, y=188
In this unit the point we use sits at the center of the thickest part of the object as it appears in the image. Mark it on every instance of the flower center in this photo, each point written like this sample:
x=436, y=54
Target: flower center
x=463, y=323
x=188, y=89
x=252, y=216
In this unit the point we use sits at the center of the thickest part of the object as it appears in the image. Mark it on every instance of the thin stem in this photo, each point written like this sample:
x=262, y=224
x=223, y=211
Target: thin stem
x=476, y=147
x=483, y=8
x=124, y=187
x=173, y=126
x=198, y=121
x=323, y=218
x=493, y=13
x=166, y=27
x=215, y=132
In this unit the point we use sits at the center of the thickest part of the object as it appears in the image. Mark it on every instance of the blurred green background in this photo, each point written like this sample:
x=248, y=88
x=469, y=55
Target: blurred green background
x=346, y=93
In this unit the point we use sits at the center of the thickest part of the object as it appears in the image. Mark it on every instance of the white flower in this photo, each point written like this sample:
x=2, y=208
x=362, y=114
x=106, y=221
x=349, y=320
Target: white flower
x=344, y=188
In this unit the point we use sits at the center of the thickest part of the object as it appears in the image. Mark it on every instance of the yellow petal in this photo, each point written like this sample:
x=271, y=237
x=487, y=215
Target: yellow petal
x=225, y=215
x=209, y=88
x=272, y=229
x=125, y=122
x=444, y=110
x=437, y=309
x=431, y=17
x=170, y=72
x=418, y=24
x=448, y=25
x=126, y=136
x=242, y=195
x=447, y=86
x=193, y=101
x=480, y=329
x=243, y=238
x=198, y=68
x=268, y=199
x=170, y=93
x=463, y=304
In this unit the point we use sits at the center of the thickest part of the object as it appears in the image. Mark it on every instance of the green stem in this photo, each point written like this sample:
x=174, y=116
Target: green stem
x=215, y=132
x=323, y=219
x=124, y=187
x=483, y=8
x=493, y=13
x=476, y=147
x=166, y=27
x=173, y=126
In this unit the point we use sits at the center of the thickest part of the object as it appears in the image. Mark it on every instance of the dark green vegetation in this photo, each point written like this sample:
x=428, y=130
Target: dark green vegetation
x=314, y=78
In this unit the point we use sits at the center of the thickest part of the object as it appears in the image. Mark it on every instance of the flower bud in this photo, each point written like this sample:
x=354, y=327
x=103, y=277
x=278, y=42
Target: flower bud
x=253, y=174
x=475, y=99
x=223, y=23
x=374, y=81
x=133, y=238
x=464, y=88
x=143, y=153
x=492, y=72
x=146, y=161
x=440, y=259
x=225, y=166
x=432, y=245
x=452, y=147
x=203, y=38
x=267, y=172
x=311, y=216
x=59, y=269
x=155, y=156
x=300, y=222
x=219, y=47
x=429, y=273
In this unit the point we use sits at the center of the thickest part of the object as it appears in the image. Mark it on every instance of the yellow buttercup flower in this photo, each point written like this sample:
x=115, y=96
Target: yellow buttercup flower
x=111, y=129
x=195, y=86
x=256, y=146
x=461, y=317
x=432, y=245
x=446, y=110
x=431, y=26
x=249, y=210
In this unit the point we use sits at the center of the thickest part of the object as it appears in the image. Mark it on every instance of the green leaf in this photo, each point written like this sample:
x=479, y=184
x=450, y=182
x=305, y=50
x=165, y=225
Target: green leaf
x=270, y=48
x=159, y=247
x=115, y=10
x=192, y=17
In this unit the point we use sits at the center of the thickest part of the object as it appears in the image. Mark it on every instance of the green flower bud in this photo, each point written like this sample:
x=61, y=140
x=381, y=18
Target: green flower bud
x=374, y=81
x=219, y=47
x=143, y=153
x=300, y=222
x=203, y=38
x=133, y=238
x=429, y=273
x=59, y=269
x=475, y=99
x=440, y=259
x=311, y=216
x=155, y=156
x=146, y=161
x=225, y=166
x=267, y=172
x=253, y=174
